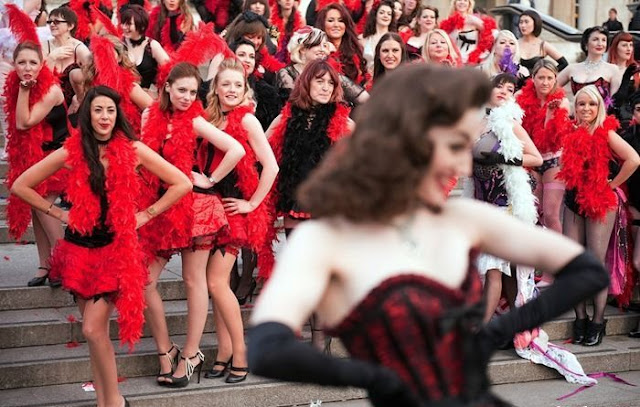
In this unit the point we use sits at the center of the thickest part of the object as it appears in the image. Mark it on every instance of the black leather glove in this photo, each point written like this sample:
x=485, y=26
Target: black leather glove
x=275, y=352
x=495, y=158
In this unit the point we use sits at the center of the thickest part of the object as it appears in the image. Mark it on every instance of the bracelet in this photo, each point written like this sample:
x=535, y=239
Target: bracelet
x=49, y=209
x=152, y=211
x=212, y=180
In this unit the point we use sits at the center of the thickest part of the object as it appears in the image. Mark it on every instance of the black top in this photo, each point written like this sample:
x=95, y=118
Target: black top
x=57, y=119
x=614, y=25
x=100, y=236
x=148, y=67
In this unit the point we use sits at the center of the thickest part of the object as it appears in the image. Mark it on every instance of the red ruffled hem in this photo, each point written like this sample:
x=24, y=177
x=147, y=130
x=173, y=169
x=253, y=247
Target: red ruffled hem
x=236, y=235
x=298, y=215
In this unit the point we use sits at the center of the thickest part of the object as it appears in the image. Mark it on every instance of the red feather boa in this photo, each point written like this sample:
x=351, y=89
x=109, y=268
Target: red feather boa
x=546, y=136
x=269, y=62
x=110, y=73
x=220, y=11
x=585, y=167
x=126, y=262
x=281, y=25
x=171, y=229
x=165, y=37
x=258, y=222
x=337, y=129
x=85, y=25
x=485, y=37
x=25, y=146
x=21, y=25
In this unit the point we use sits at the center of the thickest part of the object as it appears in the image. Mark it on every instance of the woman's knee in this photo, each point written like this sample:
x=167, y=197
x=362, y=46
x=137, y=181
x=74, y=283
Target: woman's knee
x=94, y=330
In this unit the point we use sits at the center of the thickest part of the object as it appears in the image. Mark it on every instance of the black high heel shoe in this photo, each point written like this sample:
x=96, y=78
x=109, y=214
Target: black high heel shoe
x=579, y=330
x=215, y=373
x=183, y=381
x=161, y=377
x=595, y=333
x=235, y=378
x=38, y=281
x=249, y=295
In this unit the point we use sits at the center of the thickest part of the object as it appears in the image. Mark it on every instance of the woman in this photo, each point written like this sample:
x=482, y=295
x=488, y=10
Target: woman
x=306, y=45
x=171, y=128
x=37, y=124
x=532, y=48
x=390, y=53
x=379, y=22
x=335, y=20
x=115, y=70
x=244, y=194
x=593, y=70
x=263, y=9
x=591, y=201
x=621, y=51
x=472, y=34
x=285, y=20
x=410, y=12
x=546, y=120
x=376, y=268
x=426, y=21
x=312, y=120
x=265, y=97
x=502, y=147
x=169, y=22
x=145, y=53
x=100, y=260
x=438, y=49
x=66, y=55
x=504, y=57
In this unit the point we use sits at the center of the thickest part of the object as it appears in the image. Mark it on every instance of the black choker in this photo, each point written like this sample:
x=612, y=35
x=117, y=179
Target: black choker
x=225, y=114
x=488, y=110
x=136, y=43
x=104, y=142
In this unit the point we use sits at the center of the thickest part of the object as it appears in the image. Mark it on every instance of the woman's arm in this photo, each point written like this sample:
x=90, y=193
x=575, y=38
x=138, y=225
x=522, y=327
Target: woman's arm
x=262, y=149
x=179, y=184
x=23, y=187
x=565, y=75
x=626, y=153
x=140, y=98
x=158, y=53
x=616, y=79
x=531, y=157
x=475, y=21
x=27, y=118
x=552, y=51
x=83, y=55
x=233, y=150
x=273, y=125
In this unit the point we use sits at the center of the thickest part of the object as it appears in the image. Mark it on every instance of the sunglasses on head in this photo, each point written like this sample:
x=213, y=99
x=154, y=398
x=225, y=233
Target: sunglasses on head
x=55, y=22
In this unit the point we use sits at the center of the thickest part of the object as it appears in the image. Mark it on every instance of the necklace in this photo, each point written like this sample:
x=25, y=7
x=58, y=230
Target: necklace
x=591, y=66
x=136, y=43
x=407, y=239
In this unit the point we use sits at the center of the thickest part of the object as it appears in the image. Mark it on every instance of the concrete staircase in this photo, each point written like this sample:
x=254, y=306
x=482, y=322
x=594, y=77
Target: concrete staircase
x=39, y=365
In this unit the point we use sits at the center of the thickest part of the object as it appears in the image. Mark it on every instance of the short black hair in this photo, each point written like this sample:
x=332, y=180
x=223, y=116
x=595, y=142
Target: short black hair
x=587, y=33
x=537, y=21
x=502, y=78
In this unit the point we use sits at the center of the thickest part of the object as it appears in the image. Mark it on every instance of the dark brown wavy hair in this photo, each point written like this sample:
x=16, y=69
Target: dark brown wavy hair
x=301, y=94
x=370, y=24
x=373, y=175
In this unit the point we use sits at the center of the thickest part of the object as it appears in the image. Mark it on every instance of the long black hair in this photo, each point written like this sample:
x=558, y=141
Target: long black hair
x=90, y=143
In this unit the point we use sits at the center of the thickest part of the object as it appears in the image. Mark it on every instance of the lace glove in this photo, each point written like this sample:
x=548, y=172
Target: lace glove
x=274, y=352
x=581, y=278
x=494, y=158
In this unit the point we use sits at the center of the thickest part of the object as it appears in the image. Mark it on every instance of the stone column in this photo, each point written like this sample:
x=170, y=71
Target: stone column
x=587, y=12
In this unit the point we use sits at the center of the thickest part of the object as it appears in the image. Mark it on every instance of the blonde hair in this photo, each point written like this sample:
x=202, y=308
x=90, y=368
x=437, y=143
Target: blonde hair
x=452, y=9
x=89, y=69
x=490, y=65
x=548, y=65
x=214, y=109
x=595, y=95
x=306, y=37
x=453, y=56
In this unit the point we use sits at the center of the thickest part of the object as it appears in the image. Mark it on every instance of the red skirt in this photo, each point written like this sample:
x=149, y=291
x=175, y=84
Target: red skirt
x=236, y=235
x=209, y=220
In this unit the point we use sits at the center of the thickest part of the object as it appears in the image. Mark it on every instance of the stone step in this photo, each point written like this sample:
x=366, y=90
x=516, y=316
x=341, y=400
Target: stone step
x=4, y=233
x=45, y=368
x=4, y=191
x=4, y=166
x=25, y=328
x=3, y=209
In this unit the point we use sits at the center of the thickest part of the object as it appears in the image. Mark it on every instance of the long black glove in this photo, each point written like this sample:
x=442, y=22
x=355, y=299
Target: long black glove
x=562, y=63
x=580, y=279
x=494, y=158
x=275, y=352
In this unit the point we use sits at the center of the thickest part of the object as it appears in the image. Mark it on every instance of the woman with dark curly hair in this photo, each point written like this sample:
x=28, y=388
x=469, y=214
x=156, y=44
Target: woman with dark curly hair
x=312, y=120
x=380, y=21
x=386, y=262
x=335, y=20
x=169, y=22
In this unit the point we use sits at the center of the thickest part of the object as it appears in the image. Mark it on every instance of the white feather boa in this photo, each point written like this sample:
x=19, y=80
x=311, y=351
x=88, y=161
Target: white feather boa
x=516, y=179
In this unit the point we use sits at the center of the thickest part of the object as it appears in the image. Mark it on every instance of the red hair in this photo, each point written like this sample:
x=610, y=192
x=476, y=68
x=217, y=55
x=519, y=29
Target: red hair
x=301, y=93
x=613, y=49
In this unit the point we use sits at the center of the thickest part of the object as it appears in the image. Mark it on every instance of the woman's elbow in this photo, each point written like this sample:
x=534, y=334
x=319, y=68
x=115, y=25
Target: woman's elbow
x=17, y=189
x=22, y=126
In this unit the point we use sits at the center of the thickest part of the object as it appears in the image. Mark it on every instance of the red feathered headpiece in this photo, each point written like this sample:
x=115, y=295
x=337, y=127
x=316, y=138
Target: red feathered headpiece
x=198, y=47
x=106, y=22
x=21, y=25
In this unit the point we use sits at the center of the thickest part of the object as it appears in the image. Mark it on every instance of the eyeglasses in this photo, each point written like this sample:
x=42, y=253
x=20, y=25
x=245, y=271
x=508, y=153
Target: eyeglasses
x=56, y=22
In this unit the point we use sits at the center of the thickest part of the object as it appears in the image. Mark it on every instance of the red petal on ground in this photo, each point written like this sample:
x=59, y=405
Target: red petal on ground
x=7, y=258
x=71, y=318
x=121, y=379
x=72, y=344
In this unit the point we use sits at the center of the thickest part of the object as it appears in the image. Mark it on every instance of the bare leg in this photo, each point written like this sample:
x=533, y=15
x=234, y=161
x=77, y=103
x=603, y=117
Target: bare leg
x=226, y=305
x=155, y=317
x=47, y=231
x=552, y=195
x=194, y=264
x=598, y=236
x=573, y=227
x=95, y=328
x=492, y=292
